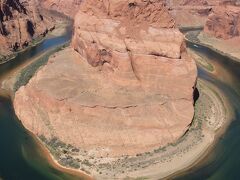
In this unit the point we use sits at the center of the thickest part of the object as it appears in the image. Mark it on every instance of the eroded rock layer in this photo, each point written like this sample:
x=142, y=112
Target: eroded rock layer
x=126, y=89
x=224, y=22
x=20, y=22
x=191, y=13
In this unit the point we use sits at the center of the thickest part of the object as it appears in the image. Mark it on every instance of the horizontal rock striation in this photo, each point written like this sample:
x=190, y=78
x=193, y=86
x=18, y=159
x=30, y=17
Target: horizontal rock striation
x=126, y=86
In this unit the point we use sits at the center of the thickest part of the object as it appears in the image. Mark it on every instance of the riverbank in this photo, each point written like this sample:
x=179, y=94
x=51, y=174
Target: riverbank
x=11, y=81
x=226, y=48
x=202, y=61
x=50, y=158
x=11, y=56
x=27, y=70
x=185, y=29
x=21, y=74
x=212, y=117
x=58, y=28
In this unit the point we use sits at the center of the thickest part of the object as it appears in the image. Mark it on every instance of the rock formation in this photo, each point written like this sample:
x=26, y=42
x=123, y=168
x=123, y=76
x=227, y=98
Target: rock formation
x=20, y=23
x=191, y=13
x=68, y=7
x=224, y=22
x=126, y=86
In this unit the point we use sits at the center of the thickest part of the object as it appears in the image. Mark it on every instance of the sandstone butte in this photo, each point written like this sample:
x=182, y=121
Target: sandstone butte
x=125, y=86
x=20, y=23
x=224, y=21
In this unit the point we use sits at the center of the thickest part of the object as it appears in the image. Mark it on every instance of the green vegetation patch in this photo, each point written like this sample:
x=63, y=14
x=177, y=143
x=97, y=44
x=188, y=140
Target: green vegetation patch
x=63, y=152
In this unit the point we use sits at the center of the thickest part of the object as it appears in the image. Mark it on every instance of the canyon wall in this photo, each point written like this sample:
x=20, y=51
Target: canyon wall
x=20, y=23
x=224, y=22
x=124, y=87
x=68, y=7
x=191, y=13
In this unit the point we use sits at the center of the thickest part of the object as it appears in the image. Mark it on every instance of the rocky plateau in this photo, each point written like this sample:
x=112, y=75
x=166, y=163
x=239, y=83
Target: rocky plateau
x=125, y=86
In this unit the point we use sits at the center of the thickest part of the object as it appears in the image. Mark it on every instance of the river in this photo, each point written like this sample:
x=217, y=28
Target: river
x=22, y=157
x=223, y=161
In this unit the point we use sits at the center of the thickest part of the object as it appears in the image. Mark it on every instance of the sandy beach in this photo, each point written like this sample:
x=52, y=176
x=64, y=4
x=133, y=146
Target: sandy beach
x=228, y=48
x=43, y=150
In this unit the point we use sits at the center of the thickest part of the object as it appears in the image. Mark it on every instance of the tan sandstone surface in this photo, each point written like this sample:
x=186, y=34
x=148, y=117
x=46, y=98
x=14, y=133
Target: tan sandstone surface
x=20, y=23
x=126, y=86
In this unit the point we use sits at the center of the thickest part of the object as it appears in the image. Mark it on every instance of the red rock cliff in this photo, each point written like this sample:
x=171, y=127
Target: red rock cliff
x=20, y=23
x=224, y=22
